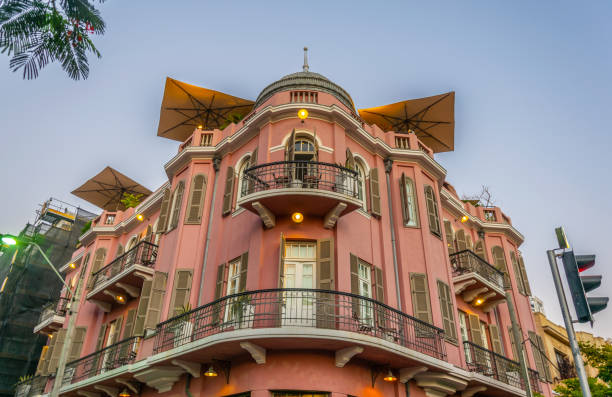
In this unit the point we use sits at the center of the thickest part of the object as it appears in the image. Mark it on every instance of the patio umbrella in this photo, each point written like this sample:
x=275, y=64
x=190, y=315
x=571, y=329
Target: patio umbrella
x=106, y=189
x=185, y=107
x=432, y=119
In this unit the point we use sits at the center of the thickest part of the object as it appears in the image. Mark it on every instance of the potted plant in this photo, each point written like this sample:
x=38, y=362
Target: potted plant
x=182, y=327
x=238, y=308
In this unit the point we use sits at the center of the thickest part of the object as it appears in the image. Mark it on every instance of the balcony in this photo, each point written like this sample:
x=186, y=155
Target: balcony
x=105, y=360
x=122, y=276
x=496, y=366
x=32, y=387
x=476, y=280
x=52, y=317
x=313, y=188
x=340, y=314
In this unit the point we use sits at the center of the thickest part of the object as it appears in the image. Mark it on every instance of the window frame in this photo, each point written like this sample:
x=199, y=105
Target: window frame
x=412, y=203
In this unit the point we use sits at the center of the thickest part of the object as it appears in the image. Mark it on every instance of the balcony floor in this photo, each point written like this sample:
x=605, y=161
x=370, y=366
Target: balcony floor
x=132, y=278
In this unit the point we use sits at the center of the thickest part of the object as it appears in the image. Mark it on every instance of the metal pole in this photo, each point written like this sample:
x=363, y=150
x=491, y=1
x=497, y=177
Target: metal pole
x=388, y=166
x=580, y=371
x=516, y=332
x=51, y=265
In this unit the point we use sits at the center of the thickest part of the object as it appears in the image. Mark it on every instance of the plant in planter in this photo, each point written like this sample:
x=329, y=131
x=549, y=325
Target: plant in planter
x=238, y=308
x=182, y=327
x=131, y=200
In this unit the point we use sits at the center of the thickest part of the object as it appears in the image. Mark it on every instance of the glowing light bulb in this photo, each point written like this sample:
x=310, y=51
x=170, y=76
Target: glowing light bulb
x=302, y=114
x=297, y=217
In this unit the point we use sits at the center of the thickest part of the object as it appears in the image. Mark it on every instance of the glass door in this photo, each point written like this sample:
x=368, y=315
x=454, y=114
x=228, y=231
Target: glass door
x=299, y=307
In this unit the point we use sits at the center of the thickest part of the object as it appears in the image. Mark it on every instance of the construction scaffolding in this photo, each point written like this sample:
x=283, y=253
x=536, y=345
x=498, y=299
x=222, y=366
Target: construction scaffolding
x=28, y=284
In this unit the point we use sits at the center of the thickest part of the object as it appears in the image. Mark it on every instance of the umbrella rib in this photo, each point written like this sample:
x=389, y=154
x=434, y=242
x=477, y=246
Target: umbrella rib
x=191, y=97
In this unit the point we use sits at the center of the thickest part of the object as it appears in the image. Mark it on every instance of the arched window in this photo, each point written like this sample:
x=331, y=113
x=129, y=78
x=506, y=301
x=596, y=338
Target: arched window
x=243, y=187
x=175, y=208
x=432, y=211
x=131, y=243
x=301, y=147
x=361, y=183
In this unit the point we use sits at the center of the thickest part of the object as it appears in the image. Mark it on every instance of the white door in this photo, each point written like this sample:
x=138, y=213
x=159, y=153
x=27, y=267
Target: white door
x=300, y=264
x=365, y=289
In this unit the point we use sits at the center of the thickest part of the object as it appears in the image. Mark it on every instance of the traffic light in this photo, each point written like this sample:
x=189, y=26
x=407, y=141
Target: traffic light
x=580, y=285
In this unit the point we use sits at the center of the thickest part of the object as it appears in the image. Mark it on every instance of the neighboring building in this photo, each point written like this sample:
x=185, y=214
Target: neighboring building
x=271, y=258
x=28, y=284
x=537, y=306
x=557, y=349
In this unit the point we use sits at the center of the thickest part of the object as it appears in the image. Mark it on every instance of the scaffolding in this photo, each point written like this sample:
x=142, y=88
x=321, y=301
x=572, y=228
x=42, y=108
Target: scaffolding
x=28, y=284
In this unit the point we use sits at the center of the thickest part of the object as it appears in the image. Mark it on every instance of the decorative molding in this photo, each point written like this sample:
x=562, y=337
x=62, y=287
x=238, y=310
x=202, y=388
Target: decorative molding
x=489, y=306
x=407, y=374
x=104, y=306
x=133, y=386
x=438, y=384
x=109, y=390
x=267, y=217
x=193, y=368
x=332, y=216
x=160, y=378
x=461, y=286
x=469, y=296
x=343, y=356
x=257, y=352
x=132, y=291
x=469, y=392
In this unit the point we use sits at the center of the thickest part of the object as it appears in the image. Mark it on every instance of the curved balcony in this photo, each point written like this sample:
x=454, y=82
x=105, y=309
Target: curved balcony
x=476, y=280
x=296, y=311
x=313, y=188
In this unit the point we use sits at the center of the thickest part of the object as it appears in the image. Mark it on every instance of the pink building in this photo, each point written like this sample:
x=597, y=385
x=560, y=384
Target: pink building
x=292, y=256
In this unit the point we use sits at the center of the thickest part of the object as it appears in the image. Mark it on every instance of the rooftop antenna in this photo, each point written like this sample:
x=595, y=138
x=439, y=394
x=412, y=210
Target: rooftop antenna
x=305, y=67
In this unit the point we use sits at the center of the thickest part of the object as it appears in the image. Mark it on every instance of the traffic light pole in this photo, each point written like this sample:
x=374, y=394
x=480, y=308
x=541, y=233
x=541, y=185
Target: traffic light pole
x=569, y=326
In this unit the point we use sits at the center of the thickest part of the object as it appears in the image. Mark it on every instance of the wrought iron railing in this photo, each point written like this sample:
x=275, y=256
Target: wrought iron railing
x=467, y=261
x=107, y=359
x=34, y=386
x=307, y=308
x=498, y=367
x=55, y=308
x=300, y=174
x=144, y=253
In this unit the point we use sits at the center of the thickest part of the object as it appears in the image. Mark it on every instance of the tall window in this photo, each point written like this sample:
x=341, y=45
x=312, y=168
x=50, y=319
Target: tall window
x=409, y=203
x=365, y=289
x=432, y=211
x=361, y=189
x=246, y=162
x=177, y=201
x=304, y=150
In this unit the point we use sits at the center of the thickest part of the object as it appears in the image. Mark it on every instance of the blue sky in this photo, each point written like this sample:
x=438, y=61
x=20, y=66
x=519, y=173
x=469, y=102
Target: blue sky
x=532, y=82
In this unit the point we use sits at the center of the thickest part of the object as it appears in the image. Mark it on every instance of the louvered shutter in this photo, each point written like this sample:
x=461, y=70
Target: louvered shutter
x=41, y=368
x=468, y=241
x=479, y=249
x=254, y=155
x=495, y=339
x=517, y=273
x=374, y=193
x=475, y=334
x=156, y=301
x=244, y=269
x=281, y=262
x=355, y=284
x=350, y=160
x=448, y=231
x=114, y=337
x=120, y=251
x=129, y=324
x=448, y=311
x=500, y=263
x=536, y=354
x=404, y=200
x=432, y=210
x=162, y=223
x=219, y=291
x=149, y=234
x=177, y=204
x=196, y=199
x=289, y=154
x=143, y=304
x=545, y=362
x=526, y=286
x=77, y=344
x=182, y=290
x=325, y=281
x=513, y=343
x=460, y=237
x=379, y=290
x=419, y=289
x=99, y=344
x=98, y=261
x=60, y=337
x=228, y=196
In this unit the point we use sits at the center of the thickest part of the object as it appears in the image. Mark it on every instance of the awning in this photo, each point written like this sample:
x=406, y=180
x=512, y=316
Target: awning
x=106, y=189
x=432, y=119
x=186, y=106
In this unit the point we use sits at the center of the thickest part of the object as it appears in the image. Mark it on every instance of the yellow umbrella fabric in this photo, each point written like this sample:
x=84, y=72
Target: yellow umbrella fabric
x=106, y=189
x=185, y=107
x=432, y=119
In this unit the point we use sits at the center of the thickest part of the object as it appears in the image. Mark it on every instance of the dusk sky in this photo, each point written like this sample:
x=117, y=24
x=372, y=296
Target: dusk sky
x=533, y=100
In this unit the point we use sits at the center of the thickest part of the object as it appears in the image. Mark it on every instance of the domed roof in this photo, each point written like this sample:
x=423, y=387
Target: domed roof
x=305, y=80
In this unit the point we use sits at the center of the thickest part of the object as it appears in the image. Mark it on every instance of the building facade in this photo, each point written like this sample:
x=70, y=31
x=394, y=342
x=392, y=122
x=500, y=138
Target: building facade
x=299, y=251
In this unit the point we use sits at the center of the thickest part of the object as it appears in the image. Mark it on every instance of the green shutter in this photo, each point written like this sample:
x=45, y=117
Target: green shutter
x=129, y=324
x=448, y=311
x=517, y=273
x=350, y=160
x=432, y=211
x=162, y=225
x=475, y=333
x=325, y=263
x=281, y=262
x=421, y=305
x=448, y=232
x=495, y=339
x=379, y=290
x=244, y=269
x=499, y=260
x=77, y=344
x=461, y=241
x=141, y=313
x=158, y=289
x=355, y=284
x=196, y=199
x=374, y=192
x=228, y=195
x=526, y=286
x=536, y=354
x=60, y=337
x=182, y=290
x=177, y=204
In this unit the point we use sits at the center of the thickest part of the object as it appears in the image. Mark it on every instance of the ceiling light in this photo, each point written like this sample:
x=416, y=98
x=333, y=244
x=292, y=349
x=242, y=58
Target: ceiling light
x=297, y=217
x=210, y=372
x=390, y=377
x=479, y=302
x=120, y=298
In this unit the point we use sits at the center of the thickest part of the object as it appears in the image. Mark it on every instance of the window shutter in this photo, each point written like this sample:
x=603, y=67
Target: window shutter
x=350, y=160
x=196, y=199
x=325, y=264
x=500, y=263
x=281, y=262
x=41, y=368
x=129, y=324
x=460, y=237
x=517, y=273
x=77, y=344
x=163, y=213
x=254, y=155
x=475, y=334
x=374, y=192
x=158, y=288
x=479, y=249
x=421, y=305
x=379, y=284
x=149, y=234
x=404, y=200
x=98, y=261
x=450, y=241
x=355, y=283
x=536, y=354
x=432, y=210
x=120, y=251
x=182, y=290
x=114, y=338
x=468, y=241
x=244, y=268
x=448, y=312
x=545, y=363
x=141, y=312
x=513, y=343
x=219, y=290
x=177, y=204
x=526, y=286
x=57, y=350
x=289, y=154
x=495, y=339
x=228, y=196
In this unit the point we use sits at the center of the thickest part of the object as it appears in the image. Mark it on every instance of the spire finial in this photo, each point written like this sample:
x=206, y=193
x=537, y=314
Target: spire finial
x=305, y=67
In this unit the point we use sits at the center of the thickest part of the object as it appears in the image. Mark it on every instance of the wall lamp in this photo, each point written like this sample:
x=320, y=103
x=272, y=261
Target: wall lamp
x=221, y=365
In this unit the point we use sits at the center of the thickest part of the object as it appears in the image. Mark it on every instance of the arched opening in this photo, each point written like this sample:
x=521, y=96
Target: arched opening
x=243, y=165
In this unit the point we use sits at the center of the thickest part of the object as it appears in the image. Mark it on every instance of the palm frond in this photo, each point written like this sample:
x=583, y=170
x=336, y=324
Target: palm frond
x=84, y=11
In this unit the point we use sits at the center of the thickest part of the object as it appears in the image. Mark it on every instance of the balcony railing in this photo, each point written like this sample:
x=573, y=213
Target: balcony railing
x=55, y=308
x=144, y=253
x=31, y=387
x=308, y=308
x=467, y=261
x=300, y=174
x=498, y=367
x=107, y=359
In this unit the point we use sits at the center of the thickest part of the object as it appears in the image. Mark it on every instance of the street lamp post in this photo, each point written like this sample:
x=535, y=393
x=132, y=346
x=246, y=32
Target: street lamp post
x=72, y=310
